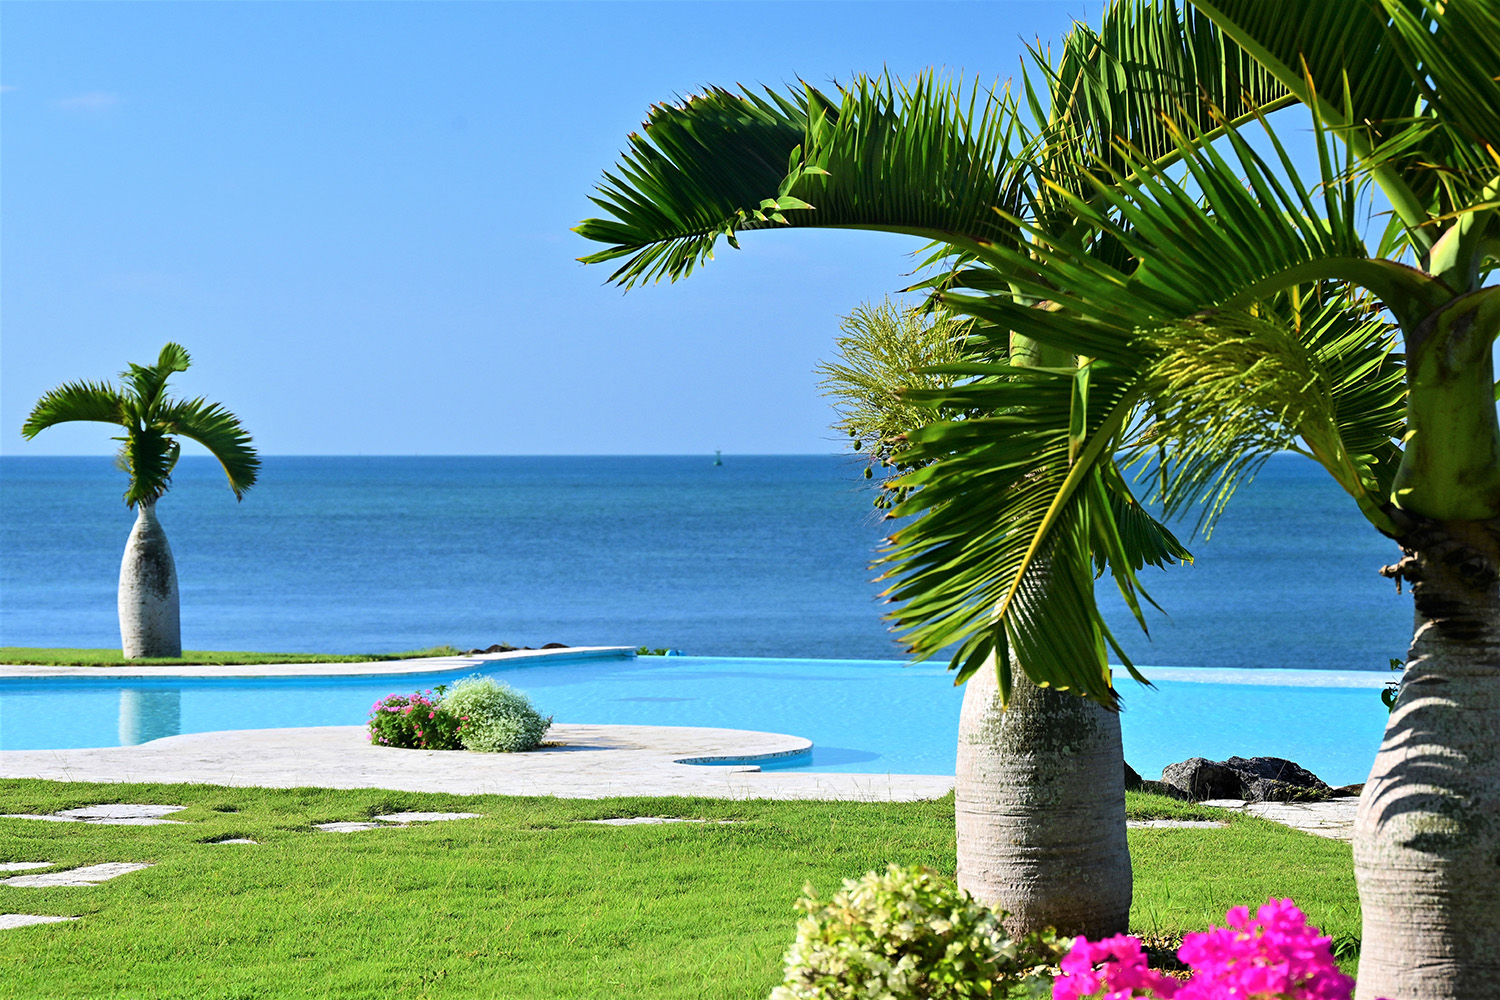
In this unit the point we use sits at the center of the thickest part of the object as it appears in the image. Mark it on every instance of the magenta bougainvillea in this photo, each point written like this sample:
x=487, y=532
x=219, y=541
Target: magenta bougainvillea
x=1274, y=955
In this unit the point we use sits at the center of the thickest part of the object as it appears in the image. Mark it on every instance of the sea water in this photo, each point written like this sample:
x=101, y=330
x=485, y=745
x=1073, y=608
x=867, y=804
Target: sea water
x=759, y=556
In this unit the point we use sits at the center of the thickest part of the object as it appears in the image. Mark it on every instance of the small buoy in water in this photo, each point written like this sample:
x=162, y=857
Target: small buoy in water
x=717, y=459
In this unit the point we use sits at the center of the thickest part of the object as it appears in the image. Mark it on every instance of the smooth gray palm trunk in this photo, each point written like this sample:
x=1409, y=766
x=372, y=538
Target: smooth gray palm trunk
x=1041, y=809
x=1427, y=836
x=149, y=621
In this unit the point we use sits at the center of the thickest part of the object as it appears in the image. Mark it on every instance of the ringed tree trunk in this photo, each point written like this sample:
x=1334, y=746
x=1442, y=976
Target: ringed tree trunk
x=1427, y=834
x=149, y=622
x=1040, y=803
x=1040, y=791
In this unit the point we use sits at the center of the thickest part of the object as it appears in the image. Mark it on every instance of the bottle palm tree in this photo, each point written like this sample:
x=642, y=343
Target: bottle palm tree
x=149, y=619
x=1041, y=822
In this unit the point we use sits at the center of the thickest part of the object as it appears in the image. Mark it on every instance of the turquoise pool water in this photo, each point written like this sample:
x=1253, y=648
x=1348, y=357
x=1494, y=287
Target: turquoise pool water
x=864, y=716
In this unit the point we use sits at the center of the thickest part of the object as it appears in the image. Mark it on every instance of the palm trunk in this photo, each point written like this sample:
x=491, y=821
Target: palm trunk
x=149, y=623
x=1427, y=836
x=1040, y=807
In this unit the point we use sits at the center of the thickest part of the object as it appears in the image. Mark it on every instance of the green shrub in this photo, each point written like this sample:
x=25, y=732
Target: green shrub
x=494, y=717
x=909, y=934
x=414, y=721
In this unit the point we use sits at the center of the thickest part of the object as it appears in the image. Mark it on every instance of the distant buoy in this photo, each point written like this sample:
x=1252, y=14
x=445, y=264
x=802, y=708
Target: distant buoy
x=717, y=459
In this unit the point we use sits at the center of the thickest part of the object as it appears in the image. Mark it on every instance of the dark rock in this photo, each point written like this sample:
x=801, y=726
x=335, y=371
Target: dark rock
x=1276, y=779
x=500, y=647
x=557, y=645
x=1132, y=780
x=1199, y=778
x=1157, y=788
x=1347, y=791
x=1253, y=779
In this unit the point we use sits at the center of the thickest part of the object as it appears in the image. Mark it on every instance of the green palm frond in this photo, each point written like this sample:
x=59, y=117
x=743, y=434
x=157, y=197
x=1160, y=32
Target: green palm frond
x=928, y=159
x=148, y=456
x=220, y=432
x=1013, y=516
x=1233, y=388
x=94, y=401
x=148, y=383
x=1147, y=66
x=1408, y=83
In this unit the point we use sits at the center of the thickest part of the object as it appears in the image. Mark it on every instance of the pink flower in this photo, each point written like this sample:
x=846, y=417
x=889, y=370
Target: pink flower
x=1273, y=956
x=1116, y=966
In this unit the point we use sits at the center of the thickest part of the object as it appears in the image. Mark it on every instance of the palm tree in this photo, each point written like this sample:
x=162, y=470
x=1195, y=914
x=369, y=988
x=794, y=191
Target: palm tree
x=1040, y=782
x=1253, y=314
x=149, y=622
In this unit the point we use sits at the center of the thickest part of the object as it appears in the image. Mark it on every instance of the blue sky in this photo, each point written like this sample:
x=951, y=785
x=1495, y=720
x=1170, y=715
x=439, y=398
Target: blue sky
x=356, y=218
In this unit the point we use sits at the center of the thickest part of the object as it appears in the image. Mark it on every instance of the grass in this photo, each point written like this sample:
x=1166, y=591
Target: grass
x=28, y=656
x=525, y=902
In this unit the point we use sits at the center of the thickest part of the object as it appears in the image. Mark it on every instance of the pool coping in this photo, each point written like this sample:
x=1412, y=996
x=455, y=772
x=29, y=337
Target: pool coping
x=591, y=761
x=368, y=668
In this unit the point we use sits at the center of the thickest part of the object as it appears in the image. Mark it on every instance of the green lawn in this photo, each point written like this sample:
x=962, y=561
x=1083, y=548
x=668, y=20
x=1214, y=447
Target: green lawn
x=525, y=903
x=114, y=658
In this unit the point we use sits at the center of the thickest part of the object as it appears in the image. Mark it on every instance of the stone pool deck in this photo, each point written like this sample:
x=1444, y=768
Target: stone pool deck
x=589, y=762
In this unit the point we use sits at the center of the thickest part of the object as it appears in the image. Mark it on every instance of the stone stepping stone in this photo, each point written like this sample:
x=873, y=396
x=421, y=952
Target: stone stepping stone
x=394, y=820
x=636, y=820
x=13, y=920
x=1177, y=824
x=113, y=814
x=21, y=866
x=416, y=817
x=235, y=840
x=75, y=877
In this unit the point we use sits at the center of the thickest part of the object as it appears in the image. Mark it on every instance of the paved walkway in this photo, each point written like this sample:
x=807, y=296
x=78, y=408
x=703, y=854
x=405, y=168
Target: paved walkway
x=591, y=762
x=1332, y=818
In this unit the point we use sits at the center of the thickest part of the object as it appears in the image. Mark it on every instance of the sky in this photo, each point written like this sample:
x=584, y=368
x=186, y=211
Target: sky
x=355, y=216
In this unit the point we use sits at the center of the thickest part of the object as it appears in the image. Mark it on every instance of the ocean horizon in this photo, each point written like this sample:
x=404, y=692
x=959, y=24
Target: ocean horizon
x=762, y=556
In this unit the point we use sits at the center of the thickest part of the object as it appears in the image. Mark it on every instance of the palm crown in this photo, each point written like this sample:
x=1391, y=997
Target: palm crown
x=153, y=422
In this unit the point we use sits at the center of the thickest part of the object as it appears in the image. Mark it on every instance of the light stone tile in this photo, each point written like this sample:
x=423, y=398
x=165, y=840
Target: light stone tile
x=118, y=811
x=21, y=866
x=235, y=840
x=9, y=921
x=351, y=827
x=421, y=817
x=113, y=814
x=1178, y=824
x=637, y=820
x=75, y=877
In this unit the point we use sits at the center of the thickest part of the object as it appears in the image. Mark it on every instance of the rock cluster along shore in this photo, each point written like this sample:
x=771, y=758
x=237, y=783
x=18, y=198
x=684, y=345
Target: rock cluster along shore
x=501, y=647
x=1252, y=779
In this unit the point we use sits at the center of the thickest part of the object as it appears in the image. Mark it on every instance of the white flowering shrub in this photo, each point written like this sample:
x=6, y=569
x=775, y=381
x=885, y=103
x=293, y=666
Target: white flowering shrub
x=910, y=934
x=494, y=717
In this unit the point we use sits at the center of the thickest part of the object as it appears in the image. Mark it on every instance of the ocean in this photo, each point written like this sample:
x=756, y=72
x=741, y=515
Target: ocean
x=761, y=556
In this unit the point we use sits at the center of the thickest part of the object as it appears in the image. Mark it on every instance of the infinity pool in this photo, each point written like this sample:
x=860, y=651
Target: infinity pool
x=864, y=716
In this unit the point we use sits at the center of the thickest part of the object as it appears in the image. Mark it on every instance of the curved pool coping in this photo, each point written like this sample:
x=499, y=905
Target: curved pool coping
x=368, y=668
x=586, y=762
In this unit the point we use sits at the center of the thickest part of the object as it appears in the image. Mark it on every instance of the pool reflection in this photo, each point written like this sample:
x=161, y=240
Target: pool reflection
x=149, y=714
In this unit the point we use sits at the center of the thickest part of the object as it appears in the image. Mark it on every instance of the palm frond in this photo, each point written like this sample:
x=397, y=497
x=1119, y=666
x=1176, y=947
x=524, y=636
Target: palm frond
x=96, y=401
x=928, y=159
x=220, y=432
x=1149, y=65
x=1001, y=557
x=1233, y=388
x=148, y=456
x=149, y=382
